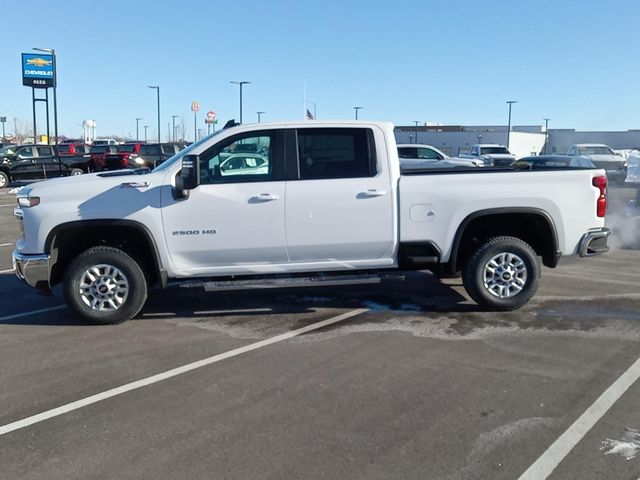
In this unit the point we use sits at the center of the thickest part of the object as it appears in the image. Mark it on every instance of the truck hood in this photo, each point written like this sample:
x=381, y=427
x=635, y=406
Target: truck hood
x=499, y=156
x=115, y=194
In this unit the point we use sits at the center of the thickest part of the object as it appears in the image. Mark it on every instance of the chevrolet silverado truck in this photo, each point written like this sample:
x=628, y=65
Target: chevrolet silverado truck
x=300, y=204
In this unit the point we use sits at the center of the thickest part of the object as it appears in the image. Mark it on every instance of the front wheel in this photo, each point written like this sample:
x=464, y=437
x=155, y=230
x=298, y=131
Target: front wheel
x=104, y=285
x=502, y=274
x=4, y=180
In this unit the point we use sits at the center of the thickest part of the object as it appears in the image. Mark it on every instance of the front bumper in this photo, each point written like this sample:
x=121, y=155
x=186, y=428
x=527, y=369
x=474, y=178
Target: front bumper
x=594, y=242
x=34, y=270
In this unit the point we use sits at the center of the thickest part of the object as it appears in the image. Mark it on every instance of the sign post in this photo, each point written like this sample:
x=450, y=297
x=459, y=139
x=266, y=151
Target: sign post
x=210, y=120
x=3, y=120
x=195, y=108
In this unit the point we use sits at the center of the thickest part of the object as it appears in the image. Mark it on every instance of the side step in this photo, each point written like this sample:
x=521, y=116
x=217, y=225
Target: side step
x=292, y=282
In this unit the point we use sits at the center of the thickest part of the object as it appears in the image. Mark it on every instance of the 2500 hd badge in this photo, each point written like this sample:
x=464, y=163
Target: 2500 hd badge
x=210, y=231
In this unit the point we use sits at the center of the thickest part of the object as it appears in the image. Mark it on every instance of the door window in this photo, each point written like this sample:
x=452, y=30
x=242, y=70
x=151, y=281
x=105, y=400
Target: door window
x=407, y=152
x=428, y=154
x=25, y=152
x=335, y=153
x=45, y=151
x=240, y=159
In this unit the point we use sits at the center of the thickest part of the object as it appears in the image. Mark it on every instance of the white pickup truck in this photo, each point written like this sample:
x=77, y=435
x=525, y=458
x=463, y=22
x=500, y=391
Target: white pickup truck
x=318, y=203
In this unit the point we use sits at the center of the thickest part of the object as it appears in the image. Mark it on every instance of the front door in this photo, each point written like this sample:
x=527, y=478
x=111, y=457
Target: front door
x=24, y=165
x=339, y=210
x=233, y=222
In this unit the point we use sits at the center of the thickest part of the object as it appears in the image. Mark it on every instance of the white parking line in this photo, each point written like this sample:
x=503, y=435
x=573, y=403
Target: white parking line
x=32, y=312
x=6, y=244
x=69, y=407
x=551, y=458
x=9, y=205
x=10, y=270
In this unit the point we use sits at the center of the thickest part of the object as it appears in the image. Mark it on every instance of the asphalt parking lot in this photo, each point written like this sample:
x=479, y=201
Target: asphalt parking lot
x=406, y=380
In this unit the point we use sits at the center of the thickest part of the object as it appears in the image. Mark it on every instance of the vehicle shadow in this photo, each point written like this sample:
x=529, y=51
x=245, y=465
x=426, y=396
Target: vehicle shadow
x=421, y=292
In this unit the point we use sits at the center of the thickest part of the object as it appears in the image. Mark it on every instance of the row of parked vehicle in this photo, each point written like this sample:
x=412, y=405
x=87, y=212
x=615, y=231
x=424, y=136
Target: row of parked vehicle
x=415, y=157
x=37, y=162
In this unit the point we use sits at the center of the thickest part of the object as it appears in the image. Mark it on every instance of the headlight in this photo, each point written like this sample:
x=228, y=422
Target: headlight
x=28, y=202
x=139, y=160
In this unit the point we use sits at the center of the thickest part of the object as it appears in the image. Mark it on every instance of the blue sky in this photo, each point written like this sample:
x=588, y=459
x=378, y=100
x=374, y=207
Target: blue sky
x=447, y=61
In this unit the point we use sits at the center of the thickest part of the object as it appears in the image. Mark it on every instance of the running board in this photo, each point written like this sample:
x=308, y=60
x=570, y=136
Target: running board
x=291, y=282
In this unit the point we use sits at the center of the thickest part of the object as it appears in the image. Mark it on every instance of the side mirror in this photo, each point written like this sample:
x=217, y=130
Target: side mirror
x=189, y=177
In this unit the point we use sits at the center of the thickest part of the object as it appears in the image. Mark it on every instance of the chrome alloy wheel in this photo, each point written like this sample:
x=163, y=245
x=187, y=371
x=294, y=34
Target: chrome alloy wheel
x=505, y=275
x=104, y=288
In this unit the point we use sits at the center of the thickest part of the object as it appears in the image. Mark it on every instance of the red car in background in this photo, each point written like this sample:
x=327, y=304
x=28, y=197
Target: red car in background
x=72, y=149
x=97, y=156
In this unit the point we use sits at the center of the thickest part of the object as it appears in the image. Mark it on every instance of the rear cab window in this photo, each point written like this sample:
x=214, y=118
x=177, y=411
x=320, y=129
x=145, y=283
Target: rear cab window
x=325, y=153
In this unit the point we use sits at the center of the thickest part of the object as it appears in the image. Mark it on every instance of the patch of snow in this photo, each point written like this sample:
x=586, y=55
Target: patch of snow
x=16, y=190
x=627, y=447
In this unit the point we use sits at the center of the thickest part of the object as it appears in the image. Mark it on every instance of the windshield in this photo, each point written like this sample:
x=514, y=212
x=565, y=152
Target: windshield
x=494, y=150
x=4, y=151
x=596, y=151
x=178, y=156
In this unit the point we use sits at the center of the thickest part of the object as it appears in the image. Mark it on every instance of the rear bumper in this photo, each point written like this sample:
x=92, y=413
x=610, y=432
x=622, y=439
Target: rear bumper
x=594, y=242
x=34, y=270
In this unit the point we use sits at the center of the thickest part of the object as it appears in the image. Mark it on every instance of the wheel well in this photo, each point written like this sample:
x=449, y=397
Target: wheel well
x=70, y=241
x=534, y=228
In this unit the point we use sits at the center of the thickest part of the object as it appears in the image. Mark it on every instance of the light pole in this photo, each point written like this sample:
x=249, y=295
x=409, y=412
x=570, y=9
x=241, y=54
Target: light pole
x=157, y=89
x=260, y=115
x=510, y=102
x=241, y=83
x=356, y=110
x=145, y=132
x=173, y=127
x=416, y=122
x=546, y=134
x=138, y=128
x=55, y=102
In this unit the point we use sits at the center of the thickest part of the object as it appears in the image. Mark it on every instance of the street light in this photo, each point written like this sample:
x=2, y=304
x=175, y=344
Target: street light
x=416, y=122
x=157, y=88
x=356, y=109
x=510, y=102
x=173, y=127
x=241, y=83
x=145, y=132
x=260, y=115
x=546, y=134
x=138, y=128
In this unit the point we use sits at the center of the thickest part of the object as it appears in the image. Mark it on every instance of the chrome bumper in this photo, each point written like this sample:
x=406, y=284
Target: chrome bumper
x=594, y=242
x=34, y=270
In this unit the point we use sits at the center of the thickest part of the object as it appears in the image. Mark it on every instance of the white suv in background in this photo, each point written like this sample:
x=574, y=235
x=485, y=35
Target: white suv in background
x=415, y=156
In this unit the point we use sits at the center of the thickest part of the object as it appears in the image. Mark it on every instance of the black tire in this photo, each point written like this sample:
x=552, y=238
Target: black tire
x=105, y=300
x=510, y=287
x=4, y=180
x=75, y=171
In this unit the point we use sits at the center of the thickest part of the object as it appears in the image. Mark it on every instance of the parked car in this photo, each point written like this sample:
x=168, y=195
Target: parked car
x=29, y=162
x=415, y=156
x=105, y=141
x=602, y=156
x=139, y=155
x=333, y=210
x=553, y=161
x=491, y=154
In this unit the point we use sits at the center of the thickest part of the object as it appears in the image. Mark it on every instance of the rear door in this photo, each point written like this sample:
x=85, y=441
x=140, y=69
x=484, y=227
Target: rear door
x=339, y=204
x=48, y=162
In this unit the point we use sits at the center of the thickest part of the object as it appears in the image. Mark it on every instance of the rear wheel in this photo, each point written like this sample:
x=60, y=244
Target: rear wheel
x=4, y=180
x=502, y=274
x=76, y=171
x=104, y=285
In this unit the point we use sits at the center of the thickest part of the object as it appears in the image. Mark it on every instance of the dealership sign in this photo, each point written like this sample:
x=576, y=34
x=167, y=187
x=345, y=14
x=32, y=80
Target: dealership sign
x=38, y=70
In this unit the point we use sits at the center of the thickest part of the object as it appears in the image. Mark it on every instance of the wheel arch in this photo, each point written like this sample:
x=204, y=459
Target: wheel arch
x=70, y=239
x=533, y=225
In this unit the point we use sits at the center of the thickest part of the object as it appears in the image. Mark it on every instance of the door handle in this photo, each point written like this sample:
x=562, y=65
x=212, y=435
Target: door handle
x=374, y=193
x=266, y=197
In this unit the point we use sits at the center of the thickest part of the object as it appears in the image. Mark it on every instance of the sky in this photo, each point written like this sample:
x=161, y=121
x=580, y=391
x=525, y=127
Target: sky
x=453, y=62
